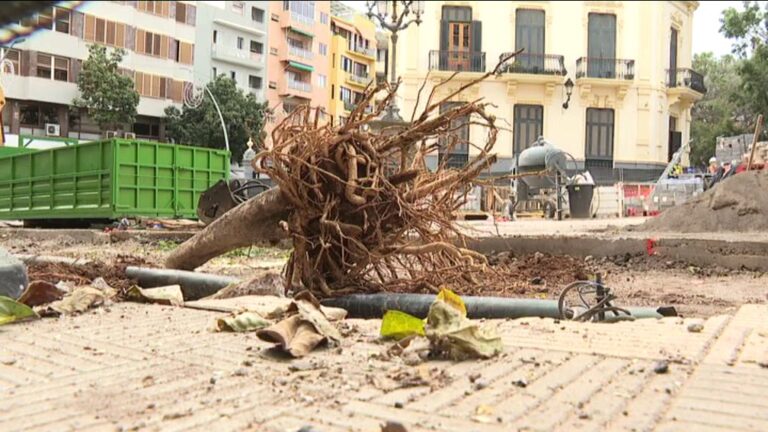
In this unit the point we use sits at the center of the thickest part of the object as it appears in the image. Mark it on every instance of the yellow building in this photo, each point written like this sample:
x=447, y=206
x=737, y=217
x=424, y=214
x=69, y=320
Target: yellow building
x=629, y=63
x=353, y=60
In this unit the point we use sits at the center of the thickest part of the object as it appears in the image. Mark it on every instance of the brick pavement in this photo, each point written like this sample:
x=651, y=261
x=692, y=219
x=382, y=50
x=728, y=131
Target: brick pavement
x=140, y=367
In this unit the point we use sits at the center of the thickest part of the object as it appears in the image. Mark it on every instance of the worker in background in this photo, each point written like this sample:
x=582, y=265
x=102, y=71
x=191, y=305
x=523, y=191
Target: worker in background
x=729, y=168
x=715, y=171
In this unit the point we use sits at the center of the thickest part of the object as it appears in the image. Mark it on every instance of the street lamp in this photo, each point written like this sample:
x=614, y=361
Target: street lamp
x=393, y=16
x=568, y=91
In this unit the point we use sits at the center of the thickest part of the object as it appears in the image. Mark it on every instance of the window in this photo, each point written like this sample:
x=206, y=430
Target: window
x=186, y=53
x=275, y=17
x=215, y=73
x=528, y=125
x=239, y=43
x=14, y=58
x=52, y=67
x=273, y=51
x=346, y=64
x=323, y=18
x=598, y=151
x=151, y=44
x=104, y=31
x=322, y=80
x=273, y=85
x=238, y=7
x=333, y=91
x=302, y=10
x=601, y=46
x=161, y=8
x=233, y=75
x=345, y=94
x=254, y=82
x=257, y=47
x=257, y=14
x=52, y=18
x=181, y=12
x=530, y=36
x=215, y=35
x=37, y=115
x=323, y=48
x=360, y=70
x=153, y=85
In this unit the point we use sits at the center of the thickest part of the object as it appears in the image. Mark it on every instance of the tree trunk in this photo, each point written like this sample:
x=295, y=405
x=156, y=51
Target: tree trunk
x=254, y=221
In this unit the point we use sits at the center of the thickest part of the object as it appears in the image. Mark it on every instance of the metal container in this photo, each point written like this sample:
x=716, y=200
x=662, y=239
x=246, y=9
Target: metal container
x=542, y=155
x=108, y=179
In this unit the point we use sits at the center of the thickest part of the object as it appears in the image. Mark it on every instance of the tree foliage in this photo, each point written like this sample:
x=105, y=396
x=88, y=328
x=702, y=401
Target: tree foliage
x=200, y=126
x=106, y=94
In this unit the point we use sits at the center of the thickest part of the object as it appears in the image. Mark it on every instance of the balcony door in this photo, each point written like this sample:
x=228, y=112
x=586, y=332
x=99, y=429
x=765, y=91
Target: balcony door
x=529, y=35
x=601, y=51
x=673, y=58
x=460, y=40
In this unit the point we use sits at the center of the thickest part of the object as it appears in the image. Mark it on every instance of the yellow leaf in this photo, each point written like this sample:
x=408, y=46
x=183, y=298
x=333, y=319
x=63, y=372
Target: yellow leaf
x=397, y=325
x=453, y=299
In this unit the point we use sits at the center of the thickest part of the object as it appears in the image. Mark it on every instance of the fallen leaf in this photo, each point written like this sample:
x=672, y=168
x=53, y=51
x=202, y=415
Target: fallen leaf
x=167, y=295
x=40, y=293
x=456, y=337
x=80, y=300
x=452, y=299
x=11, y=310
x=398, y=325
x=243, y=322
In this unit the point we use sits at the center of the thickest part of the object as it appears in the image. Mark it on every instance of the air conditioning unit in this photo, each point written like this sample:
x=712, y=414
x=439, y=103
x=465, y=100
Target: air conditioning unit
x=129, y=135
x=52, y=129
x=113, y=134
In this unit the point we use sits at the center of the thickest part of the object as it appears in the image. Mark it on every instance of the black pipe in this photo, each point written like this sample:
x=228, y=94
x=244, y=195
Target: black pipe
x=194, y=285
x=375, y=305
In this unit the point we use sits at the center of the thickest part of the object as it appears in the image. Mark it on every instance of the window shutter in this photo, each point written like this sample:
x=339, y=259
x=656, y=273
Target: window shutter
x=191, y=13
x=90, y=28
x=140, y=35
x=120, y=38
x=478, y=61
x=163, y=46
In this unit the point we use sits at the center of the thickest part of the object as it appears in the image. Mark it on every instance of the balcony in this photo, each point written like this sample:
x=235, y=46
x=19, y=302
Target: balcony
x=299, y=85
x=300, y=52
x=361, y=81
x=464, y=61
x=237, y=56
x=368, y=52
x=350, y=106
x=302, y=19
x=536, y=64
x=605, y=68
x=688, y=78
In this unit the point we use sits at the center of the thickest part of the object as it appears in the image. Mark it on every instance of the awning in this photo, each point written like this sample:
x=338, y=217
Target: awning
x=301, y=32
x=301, y=66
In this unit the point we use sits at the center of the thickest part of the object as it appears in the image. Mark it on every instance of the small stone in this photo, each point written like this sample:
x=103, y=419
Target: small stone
x=625, y=413
x=583, y=416
x=763, y=364
x=308, y=428
x=393, y=426
x=481, y=384
x=661, y=367
x=215, y=377
x=537, y=281
x=300, y=365
x=399, y=405
x=151, y=406
x=281, y=381
x=522, y=382
x=240, y=372
x=474, y=377
x=247, y=363
x=8, y=361
x=695, y=327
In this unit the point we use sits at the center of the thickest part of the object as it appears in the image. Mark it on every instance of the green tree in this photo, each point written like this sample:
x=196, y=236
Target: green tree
x=748, y=29
x=200, y=126
x=718, y=113
x=106, y=94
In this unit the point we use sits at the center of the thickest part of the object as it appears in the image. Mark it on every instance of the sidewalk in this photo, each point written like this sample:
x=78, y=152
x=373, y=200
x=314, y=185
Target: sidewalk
x=146, y=367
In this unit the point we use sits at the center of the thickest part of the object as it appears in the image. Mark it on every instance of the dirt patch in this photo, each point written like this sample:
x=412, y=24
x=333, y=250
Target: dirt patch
x=739, y=204
x=536, y=273
x=113, y=274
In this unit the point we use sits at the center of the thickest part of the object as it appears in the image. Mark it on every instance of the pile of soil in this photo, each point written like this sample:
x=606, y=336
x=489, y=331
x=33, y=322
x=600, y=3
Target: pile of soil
x=537, y=273
x=113, y=274
x=739, y=203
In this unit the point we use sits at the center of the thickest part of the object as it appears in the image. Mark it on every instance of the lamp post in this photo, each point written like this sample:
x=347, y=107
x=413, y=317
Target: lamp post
x=394, y=16
x=568, y=91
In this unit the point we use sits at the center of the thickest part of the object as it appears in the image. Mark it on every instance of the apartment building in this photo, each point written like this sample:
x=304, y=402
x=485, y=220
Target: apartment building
x=159, y=37
x=352, y=62
x=231, y=41
x=629, y=63
x=298, y=61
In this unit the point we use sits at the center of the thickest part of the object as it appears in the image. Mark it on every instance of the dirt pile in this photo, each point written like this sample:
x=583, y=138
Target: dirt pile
x=113, y=274
x=739, y=203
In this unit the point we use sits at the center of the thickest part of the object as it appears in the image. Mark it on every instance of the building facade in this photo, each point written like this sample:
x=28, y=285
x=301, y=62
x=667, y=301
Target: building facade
x=159, y=38
x=231, y=40
x=352, y=62
x=298, y=58
x=629, y=63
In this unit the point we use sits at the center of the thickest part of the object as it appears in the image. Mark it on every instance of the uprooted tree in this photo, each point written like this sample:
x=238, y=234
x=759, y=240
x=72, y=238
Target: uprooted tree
x=363, y=214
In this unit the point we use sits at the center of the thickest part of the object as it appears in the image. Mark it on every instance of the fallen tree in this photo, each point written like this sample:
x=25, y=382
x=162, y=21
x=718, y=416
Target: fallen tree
x=363, y=212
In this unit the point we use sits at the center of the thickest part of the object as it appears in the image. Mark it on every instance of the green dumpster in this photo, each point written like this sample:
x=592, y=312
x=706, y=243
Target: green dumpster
x=108, y=179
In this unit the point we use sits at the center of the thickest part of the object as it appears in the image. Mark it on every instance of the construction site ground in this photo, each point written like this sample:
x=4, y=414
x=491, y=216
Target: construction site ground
x=147, y=367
